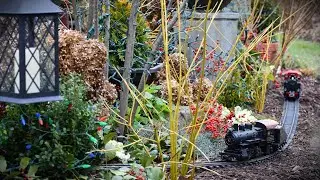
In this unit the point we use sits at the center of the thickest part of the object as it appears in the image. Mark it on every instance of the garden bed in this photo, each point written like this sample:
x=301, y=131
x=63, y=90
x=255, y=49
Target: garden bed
x=302, y=159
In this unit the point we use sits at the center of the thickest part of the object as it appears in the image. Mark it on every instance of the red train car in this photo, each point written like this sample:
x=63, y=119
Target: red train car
x=291, y=84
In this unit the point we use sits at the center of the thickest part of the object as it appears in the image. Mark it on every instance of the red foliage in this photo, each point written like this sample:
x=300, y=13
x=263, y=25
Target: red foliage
x=211, y=114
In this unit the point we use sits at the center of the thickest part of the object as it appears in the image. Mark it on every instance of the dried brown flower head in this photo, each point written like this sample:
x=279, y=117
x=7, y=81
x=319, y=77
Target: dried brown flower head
x=86, y=57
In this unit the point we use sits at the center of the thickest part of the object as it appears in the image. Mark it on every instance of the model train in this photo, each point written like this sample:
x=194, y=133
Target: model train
x=249, y=141
x=291, y=84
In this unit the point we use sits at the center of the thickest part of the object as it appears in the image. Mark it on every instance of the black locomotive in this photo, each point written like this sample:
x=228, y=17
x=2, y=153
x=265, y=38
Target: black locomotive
x=249, y=141
x=291, y=84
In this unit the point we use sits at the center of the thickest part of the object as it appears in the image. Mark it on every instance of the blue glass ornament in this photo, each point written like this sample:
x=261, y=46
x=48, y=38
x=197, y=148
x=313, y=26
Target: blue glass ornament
x=23, y=121
x=28, y=146
x=38, y=115
x=91, y=155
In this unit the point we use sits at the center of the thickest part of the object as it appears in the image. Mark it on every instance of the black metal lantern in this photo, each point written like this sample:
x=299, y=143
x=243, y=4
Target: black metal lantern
x=29, y=71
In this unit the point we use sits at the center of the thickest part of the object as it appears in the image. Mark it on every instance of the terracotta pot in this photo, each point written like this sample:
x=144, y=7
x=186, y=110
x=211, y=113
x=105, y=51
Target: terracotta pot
x=268, y=51
x=249, y=37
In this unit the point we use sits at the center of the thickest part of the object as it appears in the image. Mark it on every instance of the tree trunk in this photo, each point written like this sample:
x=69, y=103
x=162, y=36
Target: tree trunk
x=90, y=14
x=107, y=37
x=96, y=29
x=75, y=14
x=131, y=36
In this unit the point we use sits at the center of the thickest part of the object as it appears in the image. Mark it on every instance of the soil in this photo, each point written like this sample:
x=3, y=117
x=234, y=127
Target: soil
x=302, y=158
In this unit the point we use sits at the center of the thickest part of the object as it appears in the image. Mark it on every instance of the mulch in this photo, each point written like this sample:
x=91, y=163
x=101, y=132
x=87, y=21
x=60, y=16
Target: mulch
x=302, y=158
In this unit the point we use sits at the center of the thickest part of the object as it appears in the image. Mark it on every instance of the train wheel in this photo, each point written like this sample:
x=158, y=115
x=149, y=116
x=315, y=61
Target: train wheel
x=227, y=158
x=257, y=152
x=239, y=158
x=246, y=154
x=250, y=154
x=269, y=149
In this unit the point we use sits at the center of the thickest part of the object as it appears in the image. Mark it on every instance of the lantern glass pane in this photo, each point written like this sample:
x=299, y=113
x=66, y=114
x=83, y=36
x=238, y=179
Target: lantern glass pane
x=40, y=54
x=9, y=76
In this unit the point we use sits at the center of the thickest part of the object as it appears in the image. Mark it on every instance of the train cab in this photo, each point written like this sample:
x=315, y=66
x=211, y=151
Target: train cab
x=291, y=84
x=291, y=74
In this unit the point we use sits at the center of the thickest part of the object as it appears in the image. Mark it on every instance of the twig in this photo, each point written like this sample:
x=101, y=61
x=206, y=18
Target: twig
x=107, y=37
x=90, y=14
x=75, y=13
x=96, y=29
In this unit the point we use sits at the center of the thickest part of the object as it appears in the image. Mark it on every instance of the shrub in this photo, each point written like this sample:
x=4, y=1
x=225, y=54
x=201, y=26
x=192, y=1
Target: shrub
x=238, y=91
x=53, y=136
x=156, y=108
x=86, y=57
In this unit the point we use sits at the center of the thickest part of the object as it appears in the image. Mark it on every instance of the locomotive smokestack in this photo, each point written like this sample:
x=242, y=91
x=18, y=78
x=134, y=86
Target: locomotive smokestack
x=248, y=126
x=235, y=127
x=241, y=127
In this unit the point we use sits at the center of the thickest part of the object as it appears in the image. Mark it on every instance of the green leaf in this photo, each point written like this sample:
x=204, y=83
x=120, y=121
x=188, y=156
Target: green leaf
x=33, y=170
x=154, y=152
x=160, y=102
x=149, y=105
x=129, y=177
x=24, y=162
x=146, y=160
x=108, y=137
x=155, y=87
x=117, y=178
x=155, y=173
x=144, y=120
x=118, y=173
x=148, y=95
x=270, y=77
x=138, y=110
x=3, y=164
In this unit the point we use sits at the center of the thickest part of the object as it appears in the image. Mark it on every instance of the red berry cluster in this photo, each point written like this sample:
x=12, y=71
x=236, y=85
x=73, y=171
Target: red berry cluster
x=213, y=65
x=210, y=113
x=139, y=175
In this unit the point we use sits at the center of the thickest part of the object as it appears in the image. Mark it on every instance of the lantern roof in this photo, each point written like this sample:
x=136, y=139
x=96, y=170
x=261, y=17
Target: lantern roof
x=25, y=7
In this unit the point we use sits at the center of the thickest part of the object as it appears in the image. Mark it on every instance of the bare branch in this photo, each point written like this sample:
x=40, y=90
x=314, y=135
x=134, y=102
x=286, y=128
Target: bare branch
x=131, y=36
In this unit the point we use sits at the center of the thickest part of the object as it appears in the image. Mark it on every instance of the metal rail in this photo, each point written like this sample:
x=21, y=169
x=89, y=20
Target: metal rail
x=289, y=122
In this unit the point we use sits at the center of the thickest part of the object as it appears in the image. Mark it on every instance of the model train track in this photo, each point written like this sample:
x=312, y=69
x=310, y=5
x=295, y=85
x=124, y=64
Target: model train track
x=289, y=121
